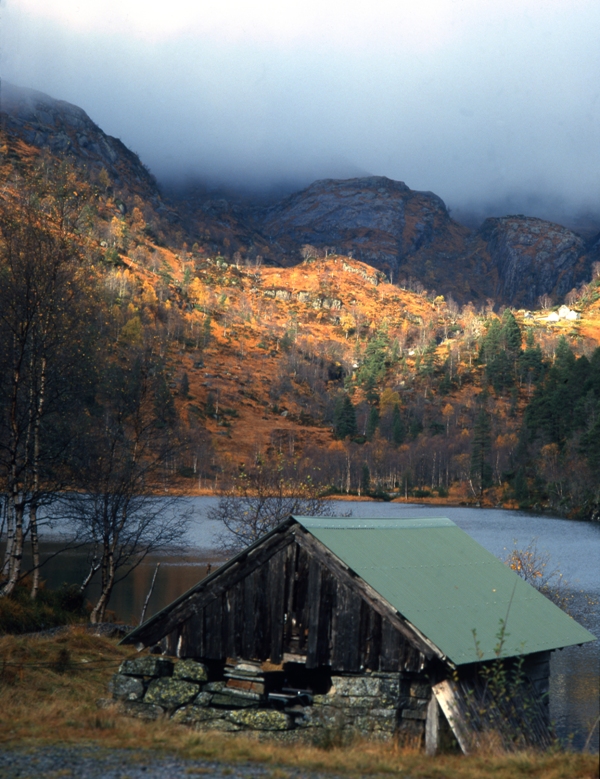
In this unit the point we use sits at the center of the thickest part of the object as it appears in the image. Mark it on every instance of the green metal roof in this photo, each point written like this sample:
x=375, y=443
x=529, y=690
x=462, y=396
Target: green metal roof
x=448, y=586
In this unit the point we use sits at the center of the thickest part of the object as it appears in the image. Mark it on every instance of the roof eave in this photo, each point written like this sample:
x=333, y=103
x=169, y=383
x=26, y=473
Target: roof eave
x=137, y=633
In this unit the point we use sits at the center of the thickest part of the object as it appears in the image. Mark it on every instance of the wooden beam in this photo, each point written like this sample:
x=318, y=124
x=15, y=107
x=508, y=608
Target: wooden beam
x=314, y=598
x=447, y=696
x=432, y=727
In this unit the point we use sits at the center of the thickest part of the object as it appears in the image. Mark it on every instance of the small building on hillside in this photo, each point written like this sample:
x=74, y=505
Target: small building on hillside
x=375, y=626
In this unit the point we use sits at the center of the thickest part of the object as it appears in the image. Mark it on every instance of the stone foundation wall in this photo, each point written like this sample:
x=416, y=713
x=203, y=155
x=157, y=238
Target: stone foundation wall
x=375, y=705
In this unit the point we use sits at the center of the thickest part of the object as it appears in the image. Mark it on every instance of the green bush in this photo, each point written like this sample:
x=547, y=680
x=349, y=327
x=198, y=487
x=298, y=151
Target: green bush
x=51, y=608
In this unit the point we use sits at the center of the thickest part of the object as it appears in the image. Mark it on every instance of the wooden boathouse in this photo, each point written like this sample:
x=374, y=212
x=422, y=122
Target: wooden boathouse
x=378, y=625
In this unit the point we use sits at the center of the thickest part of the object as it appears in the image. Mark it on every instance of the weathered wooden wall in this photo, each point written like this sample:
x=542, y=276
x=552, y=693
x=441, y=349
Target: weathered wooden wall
x=292, y=600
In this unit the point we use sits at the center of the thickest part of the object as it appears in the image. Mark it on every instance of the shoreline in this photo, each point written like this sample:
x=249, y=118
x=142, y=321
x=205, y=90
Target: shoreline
x=432, y=500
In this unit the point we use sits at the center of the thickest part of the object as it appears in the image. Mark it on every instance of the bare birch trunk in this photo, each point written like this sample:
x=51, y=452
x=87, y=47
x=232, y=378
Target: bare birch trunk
x=108, y=579
x=16, y=554
x=35, y=548
x=10, y=538
x=35, y=551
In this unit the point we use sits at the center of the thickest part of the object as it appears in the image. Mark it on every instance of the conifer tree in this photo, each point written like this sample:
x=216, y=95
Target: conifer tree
x=398, y=431
x=531, y=361
x=184, y=386
x=345, y=418
x=372, y=422
x=511, y=333
x=481, y=470
x=564, y=359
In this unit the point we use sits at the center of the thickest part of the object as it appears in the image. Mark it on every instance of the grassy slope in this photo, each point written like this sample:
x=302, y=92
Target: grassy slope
x=56, y=681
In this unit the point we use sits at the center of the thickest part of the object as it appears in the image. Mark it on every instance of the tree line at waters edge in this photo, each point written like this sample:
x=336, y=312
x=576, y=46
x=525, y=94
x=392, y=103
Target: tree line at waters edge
x=532, y=422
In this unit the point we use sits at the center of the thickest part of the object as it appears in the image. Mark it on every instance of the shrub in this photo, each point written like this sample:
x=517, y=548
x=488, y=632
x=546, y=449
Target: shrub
x=20, y=614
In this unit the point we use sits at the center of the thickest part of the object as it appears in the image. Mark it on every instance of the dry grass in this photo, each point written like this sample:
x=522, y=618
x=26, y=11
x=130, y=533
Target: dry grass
x=48, y=693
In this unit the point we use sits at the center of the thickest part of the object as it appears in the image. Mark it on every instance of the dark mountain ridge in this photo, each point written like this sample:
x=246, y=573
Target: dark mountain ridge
x=66, y=130
x=409, y=235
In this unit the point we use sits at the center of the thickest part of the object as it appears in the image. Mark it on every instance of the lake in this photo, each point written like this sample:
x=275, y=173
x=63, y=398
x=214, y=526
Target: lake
x=574, y=547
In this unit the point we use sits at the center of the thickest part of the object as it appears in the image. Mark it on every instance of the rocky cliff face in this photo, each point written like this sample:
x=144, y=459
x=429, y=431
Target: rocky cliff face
x=407, y=234
x=65, y=129
x=377, y=220
x=533, y=257
x=411, y=236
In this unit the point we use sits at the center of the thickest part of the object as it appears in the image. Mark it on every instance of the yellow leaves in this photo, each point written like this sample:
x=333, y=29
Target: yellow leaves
x=447, y=411
x=131, y=332
x=388, y=398
x=507, y=441
x=550, y=451
x=197, y=292
x=348, y=323
x=138, y=221
x=149, y=297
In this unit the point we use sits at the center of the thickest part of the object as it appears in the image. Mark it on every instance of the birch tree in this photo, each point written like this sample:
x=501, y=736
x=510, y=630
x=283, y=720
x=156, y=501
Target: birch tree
x=43, y=313
x=119, y=467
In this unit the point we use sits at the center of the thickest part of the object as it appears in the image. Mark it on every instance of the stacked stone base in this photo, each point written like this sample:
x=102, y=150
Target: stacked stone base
x=375, y=705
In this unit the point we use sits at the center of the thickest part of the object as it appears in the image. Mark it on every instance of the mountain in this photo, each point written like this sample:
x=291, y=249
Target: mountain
x=409, y=235
x=65, y=129
x=260, y=360
x=378, y=220
x=533, y=258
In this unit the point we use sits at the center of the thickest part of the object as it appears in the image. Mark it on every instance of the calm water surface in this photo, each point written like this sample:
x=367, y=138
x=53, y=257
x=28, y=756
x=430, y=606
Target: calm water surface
x=574, y=547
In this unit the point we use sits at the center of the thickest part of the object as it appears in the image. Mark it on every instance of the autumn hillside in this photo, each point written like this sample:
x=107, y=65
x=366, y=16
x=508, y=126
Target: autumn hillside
x=367, y=387
x=262, y=359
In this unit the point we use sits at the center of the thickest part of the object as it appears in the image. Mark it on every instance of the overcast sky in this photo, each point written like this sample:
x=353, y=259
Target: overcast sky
x=477, y=100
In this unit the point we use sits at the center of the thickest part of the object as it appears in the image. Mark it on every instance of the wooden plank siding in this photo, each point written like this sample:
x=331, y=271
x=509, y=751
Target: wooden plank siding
x=292, y=598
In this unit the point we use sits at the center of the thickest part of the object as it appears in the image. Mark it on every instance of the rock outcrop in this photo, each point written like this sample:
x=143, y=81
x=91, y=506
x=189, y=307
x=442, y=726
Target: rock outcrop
x=412, y=238
x=408, y=235
x=66, y=130
x=533, y=257
x=375, y=219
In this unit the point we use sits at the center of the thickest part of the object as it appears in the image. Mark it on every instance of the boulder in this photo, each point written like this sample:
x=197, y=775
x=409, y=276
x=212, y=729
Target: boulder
x=214, y=686
x=147, y=666
x=307, y=717
x=219, y=724
x=192, y=715
x=190, y=671
x=203, y=699
x=414, y=714
x=171, y=693
x=261, y=719
x=126, y=688
x=355, y=686
x=226, y=700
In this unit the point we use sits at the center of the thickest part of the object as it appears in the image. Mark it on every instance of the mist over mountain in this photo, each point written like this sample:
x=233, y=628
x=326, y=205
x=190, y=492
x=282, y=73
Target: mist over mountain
x=410, y=235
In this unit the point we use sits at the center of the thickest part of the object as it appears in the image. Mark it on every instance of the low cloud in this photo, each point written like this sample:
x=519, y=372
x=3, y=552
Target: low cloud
x=482, y=103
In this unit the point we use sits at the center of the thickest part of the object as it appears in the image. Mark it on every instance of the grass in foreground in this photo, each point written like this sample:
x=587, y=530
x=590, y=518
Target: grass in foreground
x=48, y=693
